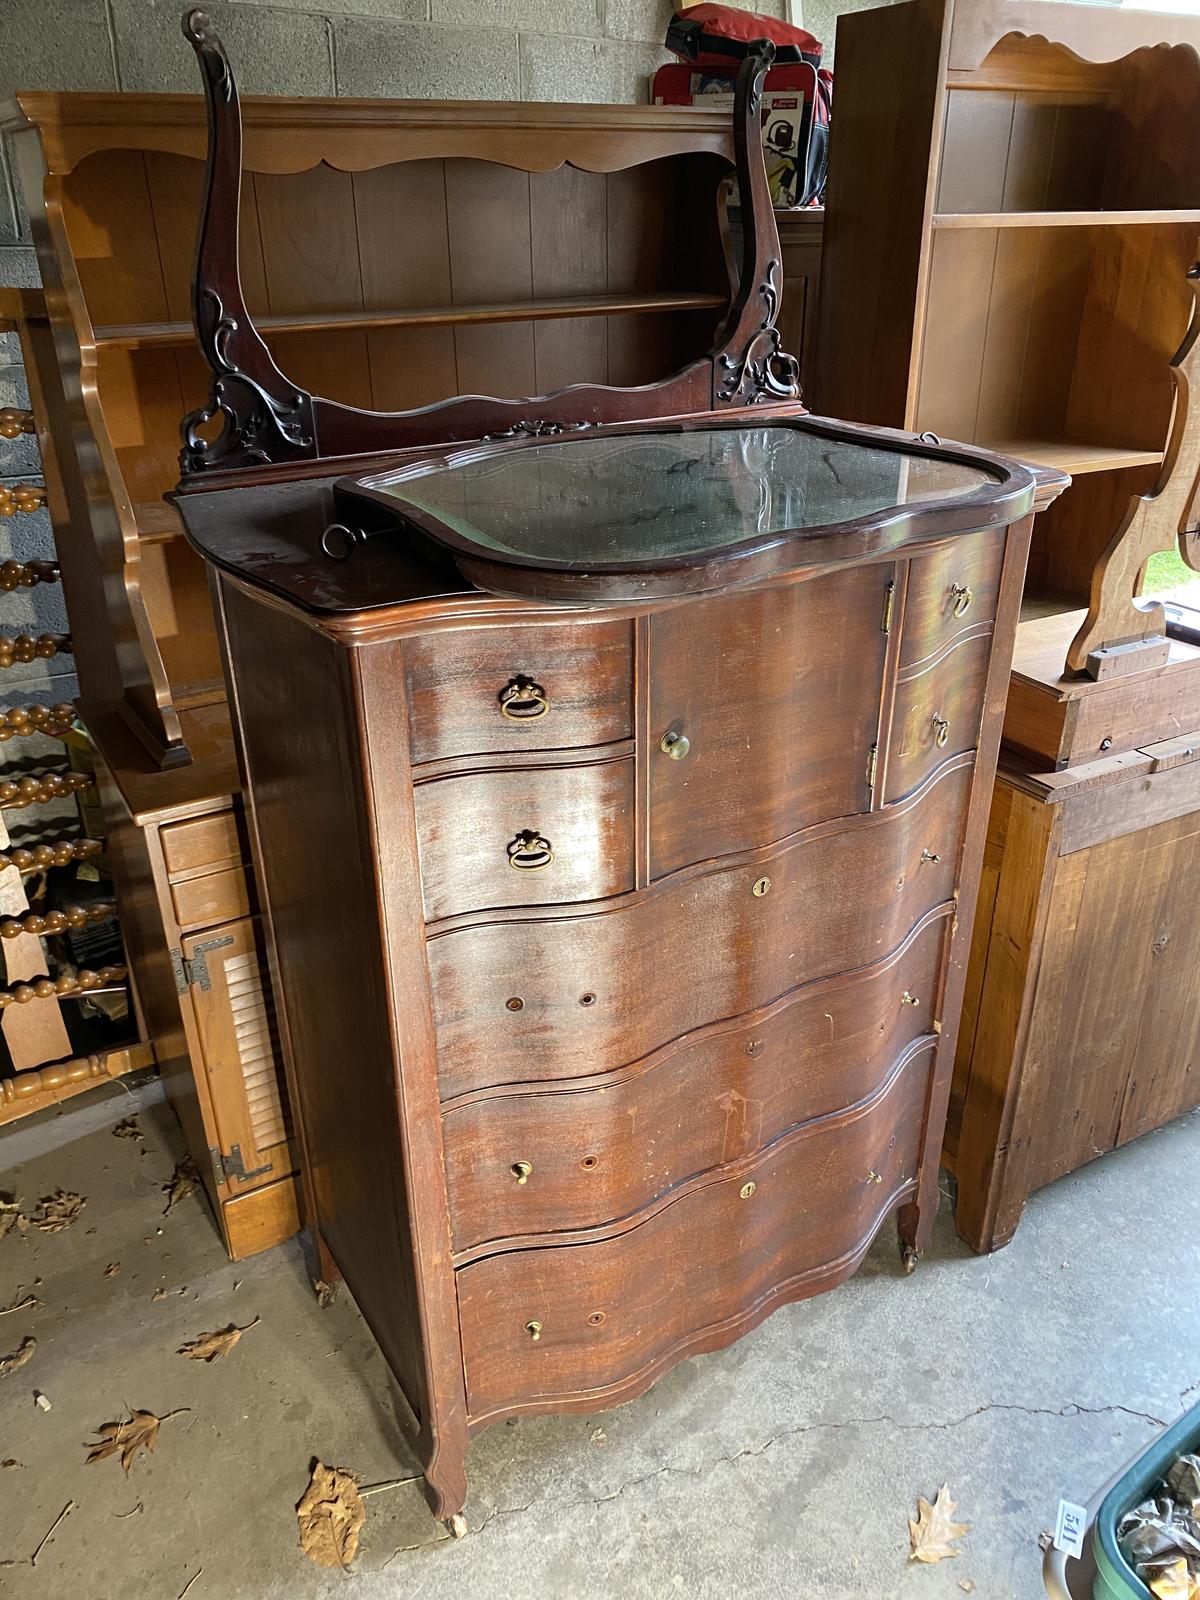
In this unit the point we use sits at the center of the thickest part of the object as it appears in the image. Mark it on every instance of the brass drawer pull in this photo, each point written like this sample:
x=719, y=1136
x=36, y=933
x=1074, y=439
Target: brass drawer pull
x=675, y=744
x=522, y=700
x=534, y=1330
x=521, y=1170
x=907, y=999
x=529, y=851
x=961, y=595
x=930, y=855
x=941, y=732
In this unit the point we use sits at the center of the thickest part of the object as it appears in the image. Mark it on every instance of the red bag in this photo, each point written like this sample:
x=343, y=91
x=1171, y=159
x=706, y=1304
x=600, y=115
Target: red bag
x=715, y=35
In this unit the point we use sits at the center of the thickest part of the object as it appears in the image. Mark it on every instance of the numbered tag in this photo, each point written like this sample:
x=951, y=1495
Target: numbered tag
x=1070, y=1528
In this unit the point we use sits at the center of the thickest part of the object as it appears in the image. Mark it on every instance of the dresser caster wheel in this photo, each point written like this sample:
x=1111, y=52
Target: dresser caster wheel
x=456, y=1525
x=909, y=1256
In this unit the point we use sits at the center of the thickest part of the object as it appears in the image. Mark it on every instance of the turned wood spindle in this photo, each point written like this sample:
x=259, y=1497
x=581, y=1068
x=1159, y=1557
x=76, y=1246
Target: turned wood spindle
x=24, y=648
x=14, y=422
x=38, y=787
x=25, y=574
x=21, y=497
x=41, y=857
x=48, y=922
x=22, y=721
x=46, y=988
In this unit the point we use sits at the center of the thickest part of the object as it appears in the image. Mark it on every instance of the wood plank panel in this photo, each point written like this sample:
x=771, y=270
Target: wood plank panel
x=569, y=241
x=952, y=362
x=975, y=151
x=488, y=211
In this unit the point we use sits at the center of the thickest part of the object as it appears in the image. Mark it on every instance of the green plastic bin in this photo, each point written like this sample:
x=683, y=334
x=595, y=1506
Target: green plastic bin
x=1115, y=1579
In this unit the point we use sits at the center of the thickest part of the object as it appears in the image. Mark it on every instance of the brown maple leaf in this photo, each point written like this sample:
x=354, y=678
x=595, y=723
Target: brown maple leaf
x=211, y=1345
x=934, y=1532
x=330, y=1516
x=127, y=1128
x=57, y=1211
x=180, y=1184
x=20, y=1355
x=138, y=1431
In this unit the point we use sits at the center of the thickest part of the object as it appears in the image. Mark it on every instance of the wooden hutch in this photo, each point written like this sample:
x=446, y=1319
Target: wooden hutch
x=1013, y=214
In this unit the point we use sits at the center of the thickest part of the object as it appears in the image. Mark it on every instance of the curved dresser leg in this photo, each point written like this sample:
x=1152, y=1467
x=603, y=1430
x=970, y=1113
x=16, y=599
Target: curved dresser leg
x=446, y=1487
x=914, y=1224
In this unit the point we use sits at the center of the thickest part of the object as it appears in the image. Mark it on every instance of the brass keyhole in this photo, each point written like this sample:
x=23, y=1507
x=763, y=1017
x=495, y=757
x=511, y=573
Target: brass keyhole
x=534, y=1330
x=760, y=886
x=747, y=1190
x=521, y=1170
x=961, y=595
x=675, y=743
x=941, y=732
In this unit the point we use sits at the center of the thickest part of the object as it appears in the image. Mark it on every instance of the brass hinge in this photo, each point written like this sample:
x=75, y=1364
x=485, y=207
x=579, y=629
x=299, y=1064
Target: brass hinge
x=872, y=763
x=232, y=1165
x=889, y=601
x=195, y=970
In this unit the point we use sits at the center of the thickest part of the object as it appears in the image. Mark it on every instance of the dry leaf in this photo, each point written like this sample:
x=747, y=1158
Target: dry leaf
x=11, y=1216
x=934, y=1532
x=324, y=1292
x=967, y=1585
x=10, y=1461
x=211, y=1345
x=127, y=1128
x=159, y=1294
x=112, y=1269
x=138, y=1431
x=331, y=1516
x=181, y=1183
x=57, y=1211
x=20, y=1355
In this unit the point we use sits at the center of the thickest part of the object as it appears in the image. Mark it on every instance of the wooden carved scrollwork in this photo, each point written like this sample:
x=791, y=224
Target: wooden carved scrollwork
x=256, y=414
x=21, y=497
x=22, y=648
x=47, y=988
x=37, y=788
x=20, y=722
x=41, y=857
x=14, y=422
x=26, y=574
x=1122, y=631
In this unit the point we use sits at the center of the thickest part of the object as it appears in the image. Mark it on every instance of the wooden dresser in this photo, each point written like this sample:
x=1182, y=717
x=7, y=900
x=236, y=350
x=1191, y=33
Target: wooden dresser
x=647, y=736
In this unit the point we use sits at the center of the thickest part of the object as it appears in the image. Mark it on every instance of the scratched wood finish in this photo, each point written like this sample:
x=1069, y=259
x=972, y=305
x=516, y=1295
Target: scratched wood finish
x=937, y=713
x=456, y=683
x=779, y=721
x=722, y=1254
x=599, y=1153
x=469, y=829
x=868, y=878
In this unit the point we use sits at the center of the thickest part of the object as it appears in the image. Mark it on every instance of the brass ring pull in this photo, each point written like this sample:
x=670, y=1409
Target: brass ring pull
x=941, y=732
x=961, y=594
x=529, y=851
x=534, y=1330
x=907, y=999
x=521, y=1170
x=522, y=700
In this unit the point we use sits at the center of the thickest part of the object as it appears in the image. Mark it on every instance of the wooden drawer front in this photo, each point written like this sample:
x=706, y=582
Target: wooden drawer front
x=937, y=715
x=214, y=897
x=950, y=591
x=456, y=679
x=472, y=829
x=205, y=843
x=588, y=999
x=611, y=1312
x=545, y=1161
x=777, y=693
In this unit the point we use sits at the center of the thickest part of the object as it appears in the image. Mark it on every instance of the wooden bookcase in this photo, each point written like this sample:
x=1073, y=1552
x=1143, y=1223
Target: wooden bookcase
x=1012, y=213
x=502, y=249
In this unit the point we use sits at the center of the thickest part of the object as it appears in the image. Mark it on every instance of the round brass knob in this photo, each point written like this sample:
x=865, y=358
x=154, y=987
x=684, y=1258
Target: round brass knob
x=529, y=852
x=961, y=595
x=675, y=744
x=522, y=700
x=521, y=1170
x=534, y=1330
x=747, y=1190
x=941, y=732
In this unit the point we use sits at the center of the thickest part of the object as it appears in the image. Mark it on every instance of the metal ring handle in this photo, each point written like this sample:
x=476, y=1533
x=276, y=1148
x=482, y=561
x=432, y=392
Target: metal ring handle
x=962, y=597
x=941, y=732
x=522, y=700
x=529, y=852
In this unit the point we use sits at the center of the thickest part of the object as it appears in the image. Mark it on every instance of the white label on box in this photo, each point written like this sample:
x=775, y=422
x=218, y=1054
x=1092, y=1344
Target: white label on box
x=1070, y=1528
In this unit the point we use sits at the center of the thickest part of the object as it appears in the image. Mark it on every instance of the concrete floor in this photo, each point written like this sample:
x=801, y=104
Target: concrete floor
x=787, y=1465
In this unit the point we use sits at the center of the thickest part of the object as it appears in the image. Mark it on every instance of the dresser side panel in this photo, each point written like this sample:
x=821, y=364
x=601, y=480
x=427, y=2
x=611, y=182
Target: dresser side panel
x=300, y=747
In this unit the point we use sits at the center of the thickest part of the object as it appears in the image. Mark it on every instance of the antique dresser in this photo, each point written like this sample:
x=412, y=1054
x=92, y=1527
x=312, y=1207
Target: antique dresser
x=616, y=766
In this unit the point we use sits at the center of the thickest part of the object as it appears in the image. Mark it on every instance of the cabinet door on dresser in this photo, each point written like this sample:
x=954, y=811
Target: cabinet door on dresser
x=777, y=694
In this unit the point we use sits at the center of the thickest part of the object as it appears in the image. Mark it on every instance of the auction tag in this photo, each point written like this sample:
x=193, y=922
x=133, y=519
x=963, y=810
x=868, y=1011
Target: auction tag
x=1070, y=1528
